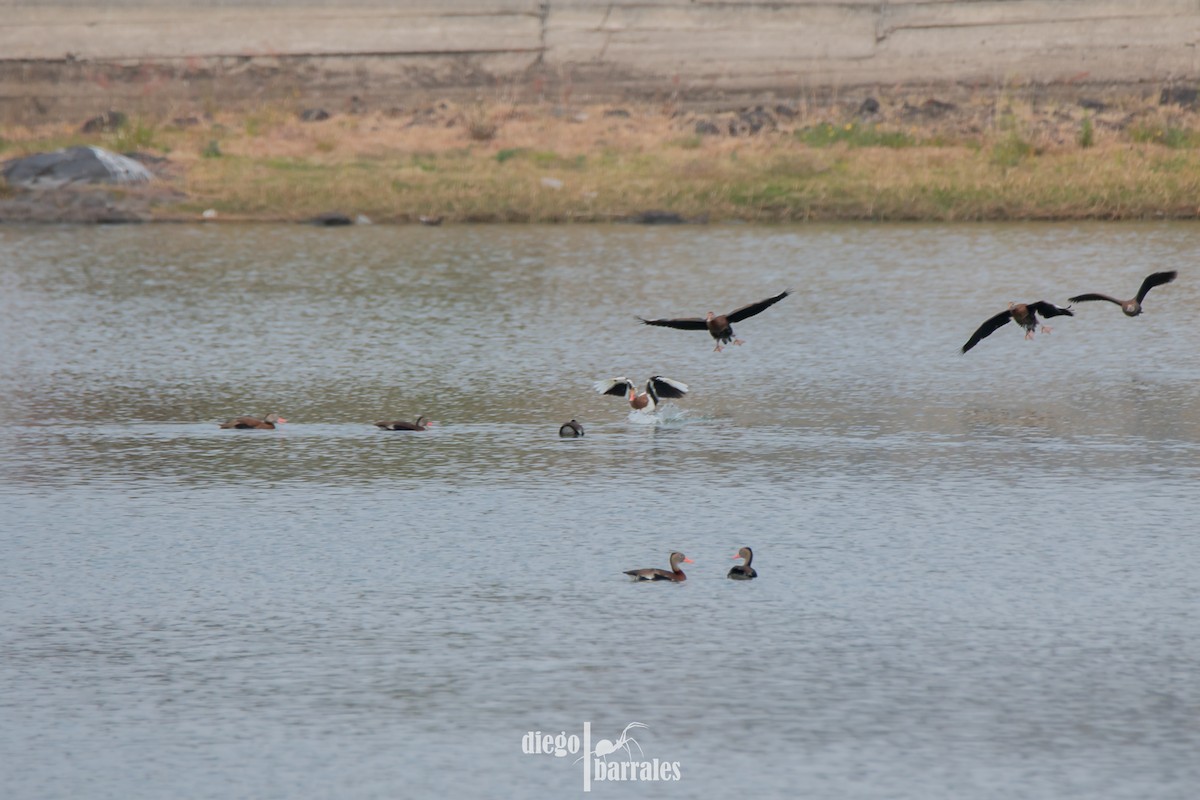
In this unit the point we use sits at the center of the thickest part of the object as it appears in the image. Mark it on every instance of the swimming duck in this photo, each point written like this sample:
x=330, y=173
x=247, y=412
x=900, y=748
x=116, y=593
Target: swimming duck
x=743, y=572
x=570, y=430
x=654, y=574
x=421, y=424
x=267, y=423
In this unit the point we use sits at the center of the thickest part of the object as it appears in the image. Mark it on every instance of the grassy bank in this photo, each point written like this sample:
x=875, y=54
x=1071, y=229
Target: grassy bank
x=992, y=159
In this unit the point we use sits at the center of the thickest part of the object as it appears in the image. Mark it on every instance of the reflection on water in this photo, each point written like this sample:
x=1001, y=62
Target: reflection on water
x=976, y=571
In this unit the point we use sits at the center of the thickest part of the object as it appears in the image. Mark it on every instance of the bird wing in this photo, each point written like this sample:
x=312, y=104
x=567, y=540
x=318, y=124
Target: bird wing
x=650, y=574
x=1048, y=310
x=1157, y=279
x=618, y=387
x=665, y=387
x=986, y=329
x=745, y=312
x=1082, y=298
x=687, y=323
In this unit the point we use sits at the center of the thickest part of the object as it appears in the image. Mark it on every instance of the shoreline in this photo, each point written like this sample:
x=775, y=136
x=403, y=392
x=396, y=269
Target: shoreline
x=907, y=157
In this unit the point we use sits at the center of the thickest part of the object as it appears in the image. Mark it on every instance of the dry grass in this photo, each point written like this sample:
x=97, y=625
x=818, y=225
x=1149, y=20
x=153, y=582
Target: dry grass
x=992, y=158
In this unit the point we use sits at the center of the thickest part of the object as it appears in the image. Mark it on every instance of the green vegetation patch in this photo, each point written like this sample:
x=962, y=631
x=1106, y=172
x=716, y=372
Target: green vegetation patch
x=1165, y=135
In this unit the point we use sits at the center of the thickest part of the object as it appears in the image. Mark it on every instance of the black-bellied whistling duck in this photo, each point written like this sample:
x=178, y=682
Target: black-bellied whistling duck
x=1131, y=307
x=657, y=388
x=719, y=326
x=743, y=572
x=267, y=423
x=655, y=574
x=571, y=430
x=421, y=424
x=1024, y=314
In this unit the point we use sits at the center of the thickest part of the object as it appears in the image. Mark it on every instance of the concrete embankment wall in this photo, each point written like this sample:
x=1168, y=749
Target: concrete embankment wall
x=63, y=59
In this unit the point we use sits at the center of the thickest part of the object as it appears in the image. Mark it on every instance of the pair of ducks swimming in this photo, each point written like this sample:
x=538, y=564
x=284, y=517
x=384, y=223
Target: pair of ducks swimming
x=740, y=572
x=269, y=422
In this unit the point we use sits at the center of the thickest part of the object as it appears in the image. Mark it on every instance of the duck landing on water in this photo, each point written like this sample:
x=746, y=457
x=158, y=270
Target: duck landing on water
x=655, y=574
x=719, y=326
x=657, y=388
x=1024, y=314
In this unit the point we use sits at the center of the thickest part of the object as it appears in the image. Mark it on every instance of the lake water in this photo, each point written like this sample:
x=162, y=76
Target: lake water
x=978, y=574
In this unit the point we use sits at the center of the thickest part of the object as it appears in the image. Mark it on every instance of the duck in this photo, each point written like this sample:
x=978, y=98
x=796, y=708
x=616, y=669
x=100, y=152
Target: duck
x=1024, y=314
x=654, y=574
x=570, y=430
x=743, y=572
x=267, y=423
x=421, y=424
x=657, y=388
x=719, y=326
x=1133, y=307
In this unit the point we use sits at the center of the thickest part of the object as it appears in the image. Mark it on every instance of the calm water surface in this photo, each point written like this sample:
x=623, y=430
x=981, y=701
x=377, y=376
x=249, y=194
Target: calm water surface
x=978, y=573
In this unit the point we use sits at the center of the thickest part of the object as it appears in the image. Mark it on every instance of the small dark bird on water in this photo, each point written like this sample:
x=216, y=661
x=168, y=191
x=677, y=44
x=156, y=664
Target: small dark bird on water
x=719, y=326
x=1024, y=314
x=421, y=424
x=571, y=430
x=267, y=423
x=1131, y=307
x=743, y=572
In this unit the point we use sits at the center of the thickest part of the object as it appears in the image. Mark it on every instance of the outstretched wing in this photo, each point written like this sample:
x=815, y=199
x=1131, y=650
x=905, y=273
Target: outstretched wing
x=619, y=387
x=665, y=387
x=986, y=329
x=1082, y=298
x=686, y=324
x=1048, y=310
x=745, y=312
x=1157, y=279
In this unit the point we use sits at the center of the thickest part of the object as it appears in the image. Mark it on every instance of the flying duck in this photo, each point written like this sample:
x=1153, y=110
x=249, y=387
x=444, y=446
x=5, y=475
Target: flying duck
x=1024, y=314
x=267, y=423
x=654, y=574
x=571, y=430
x=1131, y=307
x=421, y=424
x=657, y=388
x=743, y=572
x=719, y=326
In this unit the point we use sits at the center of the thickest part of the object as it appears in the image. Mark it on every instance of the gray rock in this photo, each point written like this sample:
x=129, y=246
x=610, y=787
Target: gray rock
x=73, y=165
x=314, y=115
x=1184, y=96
